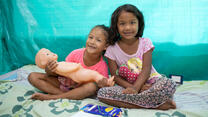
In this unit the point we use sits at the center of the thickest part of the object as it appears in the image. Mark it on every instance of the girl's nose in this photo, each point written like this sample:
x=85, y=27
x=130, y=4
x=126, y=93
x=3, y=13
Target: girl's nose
x=92, y=41
x=127, y=26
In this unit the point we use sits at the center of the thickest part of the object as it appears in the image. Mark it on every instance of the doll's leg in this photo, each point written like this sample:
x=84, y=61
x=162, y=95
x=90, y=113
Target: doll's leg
x=44, y=83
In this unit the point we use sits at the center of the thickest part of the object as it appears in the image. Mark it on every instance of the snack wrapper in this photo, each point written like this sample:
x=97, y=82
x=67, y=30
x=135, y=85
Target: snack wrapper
x=102, y=110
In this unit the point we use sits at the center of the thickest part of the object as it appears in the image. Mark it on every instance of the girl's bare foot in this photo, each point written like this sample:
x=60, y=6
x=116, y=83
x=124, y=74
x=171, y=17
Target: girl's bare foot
x=41, y=96
x=170, y=104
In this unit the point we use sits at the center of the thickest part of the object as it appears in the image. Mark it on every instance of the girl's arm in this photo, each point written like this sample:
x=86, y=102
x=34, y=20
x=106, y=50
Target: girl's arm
x=113, y=67
x=145, y=72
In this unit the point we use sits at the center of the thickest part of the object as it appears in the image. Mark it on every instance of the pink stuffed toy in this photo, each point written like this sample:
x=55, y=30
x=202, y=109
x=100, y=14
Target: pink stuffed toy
x=70, y=70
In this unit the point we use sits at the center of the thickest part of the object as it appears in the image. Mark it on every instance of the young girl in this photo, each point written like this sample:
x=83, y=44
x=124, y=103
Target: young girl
x=89, y=57
x=140, y=89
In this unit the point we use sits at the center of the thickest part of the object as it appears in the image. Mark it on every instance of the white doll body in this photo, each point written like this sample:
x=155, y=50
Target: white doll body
x=77, y=73
x=70, y=70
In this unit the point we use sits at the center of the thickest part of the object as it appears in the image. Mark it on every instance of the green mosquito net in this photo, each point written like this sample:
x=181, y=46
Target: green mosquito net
x=177, y=28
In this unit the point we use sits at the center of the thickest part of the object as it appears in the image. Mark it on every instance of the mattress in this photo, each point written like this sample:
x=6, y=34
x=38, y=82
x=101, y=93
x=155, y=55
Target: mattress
x=15, y=91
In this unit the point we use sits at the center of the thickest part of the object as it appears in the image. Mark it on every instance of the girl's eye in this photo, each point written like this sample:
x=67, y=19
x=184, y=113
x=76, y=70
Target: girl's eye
x=98, y=40
x=133, y=22
x=90, y=37
x=47, y=54
x=122, y=23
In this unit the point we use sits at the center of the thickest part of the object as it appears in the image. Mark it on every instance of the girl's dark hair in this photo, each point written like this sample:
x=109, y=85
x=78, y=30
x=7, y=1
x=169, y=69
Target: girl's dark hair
x=106, y=31
x=115, y=36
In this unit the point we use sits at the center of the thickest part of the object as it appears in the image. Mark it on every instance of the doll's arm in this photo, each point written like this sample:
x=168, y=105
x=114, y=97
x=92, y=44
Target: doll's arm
x=67, y=67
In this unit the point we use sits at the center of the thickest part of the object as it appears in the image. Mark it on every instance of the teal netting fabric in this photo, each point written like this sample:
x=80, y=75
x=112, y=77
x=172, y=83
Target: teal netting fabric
x=178, y=29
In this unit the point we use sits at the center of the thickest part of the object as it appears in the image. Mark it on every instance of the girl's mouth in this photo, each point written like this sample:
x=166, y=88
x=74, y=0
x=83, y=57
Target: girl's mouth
x=90, y=46
x=127, y=33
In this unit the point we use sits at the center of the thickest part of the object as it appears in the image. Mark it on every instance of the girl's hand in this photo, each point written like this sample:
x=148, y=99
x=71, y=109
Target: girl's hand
x=102, y=83
x=105, y=82
x=51, y=67
x=129, y=90
x=145, y=87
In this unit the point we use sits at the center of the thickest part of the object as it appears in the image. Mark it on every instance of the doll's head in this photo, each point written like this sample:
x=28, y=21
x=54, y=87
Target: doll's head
x=43, y=56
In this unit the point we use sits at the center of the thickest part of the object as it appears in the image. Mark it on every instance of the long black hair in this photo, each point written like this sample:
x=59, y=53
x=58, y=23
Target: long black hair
x=114, y=34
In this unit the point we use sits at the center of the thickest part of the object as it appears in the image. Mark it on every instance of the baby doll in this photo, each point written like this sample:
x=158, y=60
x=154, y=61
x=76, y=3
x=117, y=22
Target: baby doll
x=70, y=70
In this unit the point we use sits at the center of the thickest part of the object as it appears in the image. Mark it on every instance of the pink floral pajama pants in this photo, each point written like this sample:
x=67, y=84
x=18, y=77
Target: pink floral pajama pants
x=161, y=91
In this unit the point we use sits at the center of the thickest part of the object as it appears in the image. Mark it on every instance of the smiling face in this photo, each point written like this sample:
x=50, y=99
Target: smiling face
x=127, y=25
x=96, y=41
